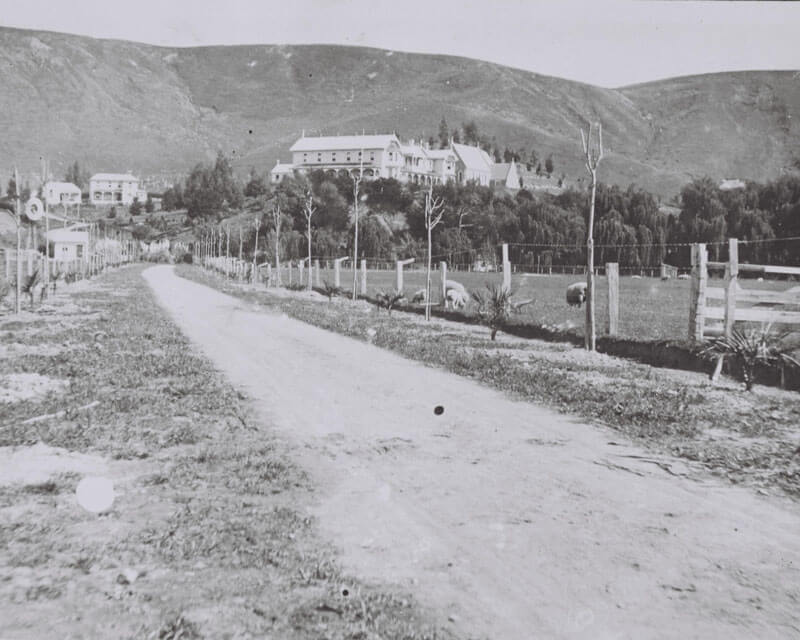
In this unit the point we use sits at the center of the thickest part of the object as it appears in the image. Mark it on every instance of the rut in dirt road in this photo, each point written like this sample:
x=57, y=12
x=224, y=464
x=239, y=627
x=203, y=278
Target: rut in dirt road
x=510, y=521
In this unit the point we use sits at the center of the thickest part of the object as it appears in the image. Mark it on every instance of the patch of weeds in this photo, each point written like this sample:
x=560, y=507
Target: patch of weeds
x=177, y=627
x=244, y=537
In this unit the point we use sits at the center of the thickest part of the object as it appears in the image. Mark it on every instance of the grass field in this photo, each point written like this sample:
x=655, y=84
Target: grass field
x=649, y=308
x=208, y=535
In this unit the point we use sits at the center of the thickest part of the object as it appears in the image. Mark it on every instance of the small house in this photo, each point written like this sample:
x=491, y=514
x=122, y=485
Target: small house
x=69, y=244
x=61, y=193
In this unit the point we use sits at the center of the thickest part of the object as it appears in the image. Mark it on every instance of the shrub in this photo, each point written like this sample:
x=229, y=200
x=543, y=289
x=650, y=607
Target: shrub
x=330, y=290
x=295, y=286
x=495, y=307
x=387, y=300
x=750, y=347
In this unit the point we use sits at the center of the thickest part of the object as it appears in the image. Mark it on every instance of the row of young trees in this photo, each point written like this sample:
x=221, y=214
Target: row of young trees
x=629, y=227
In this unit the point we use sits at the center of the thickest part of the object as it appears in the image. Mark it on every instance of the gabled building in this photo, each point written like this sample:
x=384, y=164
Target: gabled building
x=56, y=193
x=384, y=156
x=505, y=174
x=474, y=164
x=380, y=155
x=280, y=171
x=69, y=244
x=108, y=189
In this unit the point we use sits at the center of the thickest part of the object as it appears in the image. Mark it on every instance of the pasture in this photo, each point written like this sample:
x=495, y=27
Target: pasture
x=649, y=308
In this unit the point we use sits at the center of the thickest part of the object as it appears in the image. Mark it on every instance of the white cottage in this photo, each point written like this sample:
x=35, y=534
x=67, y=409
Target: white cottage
x=61, y=193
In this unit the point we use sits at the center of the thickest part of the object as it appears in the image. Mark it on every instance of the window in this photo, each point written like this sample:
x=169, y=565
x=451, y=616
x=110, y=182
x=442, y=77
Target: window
x=96, y=195
x=79, y=250
x=348, y=157
x=333, y=156
x=372, y=156
x=319, y=157
x=305, y=157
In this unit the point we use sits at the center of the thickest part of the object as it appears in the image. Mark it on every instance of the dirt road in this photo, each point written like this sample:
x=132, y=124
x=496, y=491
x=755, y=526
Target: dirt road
x=510, y=521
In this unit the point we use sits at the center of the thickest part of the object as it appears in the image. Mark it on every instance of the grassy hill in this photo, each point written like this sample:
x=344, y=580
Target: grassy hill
x=115, y=105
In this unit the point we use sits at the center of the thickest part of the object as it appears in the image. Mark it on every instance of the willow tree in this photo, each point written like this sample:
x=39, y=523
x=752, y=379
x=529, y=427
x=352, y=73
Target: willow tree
x=593, y=154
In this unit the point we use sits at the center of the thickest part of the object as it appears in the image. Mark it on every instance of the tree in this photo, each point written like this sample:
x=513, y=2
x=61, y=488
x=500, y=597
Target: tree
x=309, y=209
x=548, y=165
x=136, y=207
x=256, y=186
x=356, y=197
x=76, y=176
x=444, y=134
x=11, y=189
x=456, y=135
x=593, y=157
x=471, y=135
x=433, y=216
x=149, y=206
x=209, y=188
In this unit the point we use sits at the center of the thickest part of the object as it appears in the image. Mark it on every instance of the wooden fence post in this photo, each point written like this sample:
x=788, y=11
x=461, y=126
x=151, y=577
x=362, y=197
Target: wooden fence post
x=289, y=266
x=300, y=267
x=731, y=284
x=506, y=269
x=363, y=277
x=612, y=274
x=337, y=271
x=316, y=269
x=399, y=276
x=443, y=274
x=697, y=302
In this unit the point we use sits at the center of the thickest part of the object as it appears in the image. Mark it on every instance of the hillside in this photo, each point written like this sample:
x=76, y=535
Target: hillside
x=115, y=105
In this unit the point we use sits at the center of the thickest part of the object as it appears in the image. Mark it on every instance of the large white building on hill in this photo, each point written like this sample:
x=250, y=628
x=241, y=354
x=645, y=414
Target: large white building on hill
x=384, y=156
x=115, y=189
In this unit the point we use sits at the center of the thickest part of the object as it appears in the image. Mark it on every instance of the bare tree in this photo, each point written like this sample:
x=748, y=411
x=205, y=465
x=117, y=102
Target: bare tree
x=593, y=153
x=433, y=216
x=309, y=209
x=356, y=187
x=276, y=221
x=255, y=250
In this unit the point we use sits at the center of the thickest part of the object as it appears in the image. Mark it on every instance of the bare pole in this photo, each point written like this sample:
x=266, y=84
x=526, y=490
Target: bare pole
x=356, y=185
x=309, y=210
x=255, y=248
x=18, y=217
x=276, y=219
x=593, y=157
x=433, y=216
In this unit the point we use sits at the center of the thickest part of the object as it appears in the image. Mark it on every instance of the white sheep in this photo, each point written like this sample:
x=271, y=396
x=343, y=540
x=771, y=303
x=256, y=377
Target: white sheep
x=576, y=294
x=458, y=298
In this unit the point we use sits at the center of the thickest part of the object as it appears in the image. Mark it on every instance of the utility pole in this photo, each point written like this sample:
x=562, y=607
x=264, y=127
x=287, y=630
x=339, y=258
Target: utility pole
x=18, y=216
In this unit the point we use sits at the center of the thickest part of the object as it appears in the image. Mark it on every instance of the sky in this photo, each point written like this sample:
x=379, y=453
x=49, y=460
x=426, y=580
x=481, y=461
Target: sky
x=609, y=43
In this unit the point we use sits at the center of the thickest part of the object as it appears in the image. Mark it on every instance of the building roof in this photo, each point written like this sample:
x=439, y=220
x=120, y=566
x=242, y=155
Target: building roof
x=119, y=177
x=62, y=186
x=500, y=170
x=441, y=154
x=320, y=143
x=282, y=168
x=726, y=185
x=68, y=235
x=474, y=158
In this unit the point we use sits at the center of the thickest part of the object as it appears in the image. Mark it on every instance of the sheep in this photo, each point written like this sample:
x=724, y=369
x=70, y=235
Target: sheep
x=458, y=297
x=419, y=296
x=576, y=294
x=455, y=293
